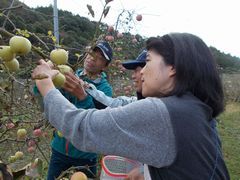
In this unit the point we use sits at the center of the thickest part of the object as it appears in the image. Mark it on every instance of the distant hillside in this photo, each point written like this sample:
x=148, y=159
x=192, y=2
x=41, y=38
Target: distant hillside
x=227, y=62
x=76, y=32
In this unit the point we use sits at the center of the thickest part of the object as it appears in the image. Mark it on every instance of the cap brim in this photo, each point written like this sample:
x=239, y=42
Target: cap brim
x=105, y=55
x=133, y=64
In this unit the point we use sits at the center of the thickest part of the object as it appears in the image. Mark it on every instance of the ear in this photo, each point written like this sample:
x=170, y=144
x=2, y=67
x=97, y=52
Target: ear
x=172, y=71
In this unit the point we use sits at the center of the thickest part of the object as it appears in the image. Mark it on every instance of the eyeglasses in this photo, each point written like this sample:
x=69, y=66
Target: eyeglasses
x=96, y=55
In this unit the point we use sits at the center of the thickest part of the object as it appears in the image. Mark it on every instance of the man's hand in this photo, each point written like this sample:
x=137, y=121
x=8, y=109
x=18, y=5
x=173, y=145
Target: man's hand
x=75, y=86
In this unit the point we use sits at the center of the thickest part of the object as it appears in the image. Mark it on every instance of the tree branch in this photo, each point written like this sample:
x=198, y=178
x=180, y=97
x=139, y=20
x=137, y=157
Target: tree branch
x=7, y=18
x=5, y=21
x=11, y=8
x=4, y=32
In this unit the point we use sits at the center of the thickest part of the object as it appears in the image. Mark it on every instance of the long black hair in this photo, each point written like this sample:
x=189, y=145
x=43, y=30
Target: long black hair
x=196, y=69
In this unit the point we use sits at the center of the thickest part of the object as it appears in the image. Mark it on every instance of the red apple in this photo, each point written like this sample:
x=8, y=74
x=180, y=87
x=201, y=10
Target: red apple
x=119, y=35
x=10, y=125
x=110, y=28
x=109, y=38
x=31, y=149
x=139, y=17
x=37, y=132
x=134, y=40
x=31, y=142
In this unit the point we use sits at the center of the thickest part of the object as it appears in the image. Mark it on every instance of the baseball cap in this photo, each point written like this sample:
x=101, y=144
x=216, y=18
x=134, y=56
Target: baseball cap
x=106, y=49
x=139, y=61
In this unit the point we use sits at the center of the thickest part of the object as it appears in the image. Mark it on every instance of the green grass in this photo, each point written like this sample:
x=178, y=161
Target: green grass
x=229, y=129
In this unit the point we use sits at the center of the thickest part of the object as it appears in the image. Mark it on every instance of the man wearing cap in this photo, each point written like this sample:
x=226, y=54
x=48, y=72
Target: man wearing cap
x=135, y=65
x=64, y=154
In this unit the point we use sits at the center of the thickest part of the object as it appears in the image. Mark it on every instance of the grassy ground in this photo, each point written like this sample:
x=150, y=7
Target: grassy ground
x=229, y=129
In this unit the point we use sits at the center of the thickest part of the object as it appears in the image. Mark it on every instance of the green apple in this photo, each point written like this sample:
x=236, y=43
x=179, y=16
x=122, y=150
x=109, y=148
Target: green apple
x=59, y=80
x=12, y=159
x=19, y=154
x=12, y=65
x=6, y=54
x=59, y=56
x=21, y=134
x=20, y=45
x=64, y=68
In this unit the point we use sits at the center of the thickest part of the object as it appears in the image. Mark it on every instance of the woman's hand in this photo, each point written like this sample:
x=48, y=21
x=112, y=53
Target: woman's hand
x=75, y=86
x=43, y=70
x=43, y=75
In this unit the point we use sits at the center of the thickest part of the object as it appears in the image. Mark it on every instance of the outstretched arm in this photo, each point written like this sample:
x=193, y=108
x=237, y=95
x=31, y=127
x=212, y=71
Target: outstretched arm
x=109, y=101
x=140, y=131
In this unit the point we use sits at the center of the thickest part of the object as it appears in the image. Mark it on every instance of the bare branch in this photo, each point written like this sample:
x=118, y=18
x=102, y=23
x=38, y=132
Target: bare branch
x=7, y=18
x=35, y=36
x=42, y=153
x=11, y=8
x=4, y=32
x=8, y=13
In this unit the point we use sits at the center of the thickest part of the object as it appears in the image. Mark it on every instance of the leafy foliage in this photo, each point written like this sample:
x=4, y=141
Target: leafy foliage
x=227, y=62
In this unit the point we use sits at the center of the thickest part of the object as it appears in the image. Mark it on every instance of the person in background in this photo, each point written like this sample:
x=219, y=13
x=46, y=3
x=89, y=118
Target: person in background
x=64, y=154
x=170, y=130
x=134, y=65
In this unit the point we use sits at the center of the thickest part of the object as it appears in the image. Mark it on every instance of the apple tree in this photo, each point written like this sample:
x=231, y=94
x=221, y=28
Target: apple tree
x=25, y=134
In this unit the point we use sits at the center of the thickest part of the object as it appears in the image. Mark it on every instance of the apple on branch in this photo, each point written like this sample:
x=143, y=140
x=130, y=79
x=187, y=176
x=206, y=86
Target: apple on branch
x=21, y=134
x=59, y=56
x=12, y=159
x=6, y=54
x=139, y=17
x=109, y=38
x=64, y=68
x=20, y=45
x=59, y=80
x=110, y=28
x=119, y=35
x=37, y=132
x=19, y=154
x=31, y=149
x=12, y=65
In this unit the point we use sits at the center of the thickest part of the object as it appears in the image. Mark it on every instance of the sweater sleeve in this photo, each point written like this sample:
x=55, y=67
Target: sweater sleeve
x=109, y=101
x=141, y=130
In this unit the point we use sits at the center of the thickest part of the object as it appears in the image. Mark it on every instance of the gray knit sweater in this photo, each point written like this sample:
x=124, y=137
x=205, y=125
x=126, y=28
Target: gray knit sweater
x=141, y=130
